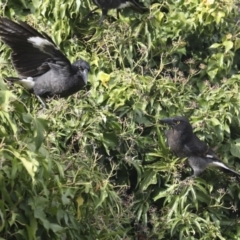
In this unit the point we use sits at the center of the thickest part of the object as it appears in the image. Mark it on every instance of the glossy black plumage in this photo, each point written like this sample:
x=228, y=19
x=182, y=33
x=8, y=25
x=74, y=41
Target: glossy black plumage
x=42, y=68
x=184, y=143
x=106, y=5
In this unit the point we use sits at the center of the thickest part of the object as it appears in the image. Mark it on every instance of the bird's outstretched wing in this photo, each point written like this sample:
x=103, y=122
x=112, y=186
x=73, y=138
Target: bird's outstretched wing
x=32, y=51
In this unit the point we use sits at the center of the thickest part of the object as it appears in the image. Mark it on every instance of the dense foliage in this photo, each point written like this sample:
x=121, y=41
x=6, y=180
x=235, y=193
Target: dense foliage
x=95, y=165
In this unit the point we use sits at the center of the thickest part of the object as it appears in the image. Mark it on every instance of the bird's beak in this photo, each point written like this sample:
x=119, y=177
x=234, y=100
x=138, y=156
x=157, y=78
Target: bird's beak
x=85, y=76
x=168, y=121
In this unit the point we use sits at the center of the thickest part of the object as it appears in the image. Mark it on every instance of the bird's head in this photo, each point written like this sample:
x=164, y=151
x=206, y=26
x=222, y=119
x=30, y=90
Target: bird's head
x=178, y=123
x=83, y=69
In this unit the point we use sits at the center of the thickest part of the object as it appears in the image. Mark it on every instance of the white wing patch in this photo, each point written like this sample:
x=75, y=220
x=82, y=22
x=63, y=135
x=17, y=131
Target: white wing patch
x=40, y=43
x=27, y=83
x=209, y=156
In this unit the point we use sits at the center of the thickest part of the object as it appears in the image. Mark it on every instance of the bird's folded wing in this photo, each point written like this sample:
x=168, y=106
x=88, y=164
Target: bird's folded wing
x=199, y=148
x=31, y=50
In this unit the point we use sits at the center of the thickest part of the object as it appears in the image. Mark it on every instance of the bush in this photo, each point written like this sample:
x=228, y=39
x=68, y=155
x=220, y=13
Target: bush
x=95, y=165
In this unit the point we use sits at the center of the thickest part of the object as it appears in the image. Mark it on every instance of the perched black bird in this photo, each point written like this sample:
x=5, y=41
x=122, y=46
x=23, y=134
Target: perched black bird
x=42, y=68
x=184, y=143
x=106, y=5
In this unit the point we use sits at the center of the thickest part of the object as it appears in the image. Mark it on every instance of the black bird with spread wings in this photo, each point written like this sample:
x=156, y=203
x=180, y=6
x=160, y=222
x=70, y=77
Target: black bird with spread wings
x=42, y=68
x=106, y=5
x=184, y=143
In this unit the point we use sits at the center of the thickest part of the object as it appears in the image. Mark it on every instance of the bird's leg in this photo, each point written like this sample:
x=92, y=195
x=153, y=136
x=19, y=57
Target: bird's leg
x=104, y=14
x=118, y=11
x=42, y=102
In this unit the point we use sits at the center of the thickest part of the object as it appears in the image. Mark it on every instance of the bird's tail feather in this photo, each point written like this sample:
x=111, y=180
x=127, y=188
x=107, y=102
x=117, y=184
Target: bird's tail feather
x=233, y=171
x=219, y=164
x=27, y=83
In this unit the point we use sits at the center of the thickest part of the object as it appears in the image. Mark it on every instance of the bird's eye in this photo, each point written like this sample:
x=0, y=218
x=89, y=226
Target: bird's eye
x=178, y=122
x=80, y=68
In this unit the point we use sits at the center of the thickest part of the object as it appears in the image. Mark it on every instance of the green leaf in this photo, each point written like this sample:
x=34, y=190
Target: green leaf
x=149, y=178
x=235, y=150
x=228, y=45
x=216, y=45
x=237, y=44
x=39, y=126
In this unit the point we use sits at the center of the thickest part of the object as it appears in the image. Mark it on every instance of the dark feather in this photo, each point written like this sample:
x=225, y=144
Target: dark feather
x=42, y=68
x=184, y=143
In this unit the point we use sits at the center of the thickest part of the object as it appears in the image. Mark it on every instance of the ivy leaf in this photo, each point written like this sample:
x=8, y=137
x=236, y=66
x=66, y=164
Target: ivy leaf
x=228, y=45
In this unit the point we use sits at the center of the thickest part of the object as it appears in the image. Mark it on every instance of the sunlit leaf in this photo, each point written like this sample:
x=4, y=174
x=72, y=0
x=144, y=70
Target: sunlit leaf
x=80, y=202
